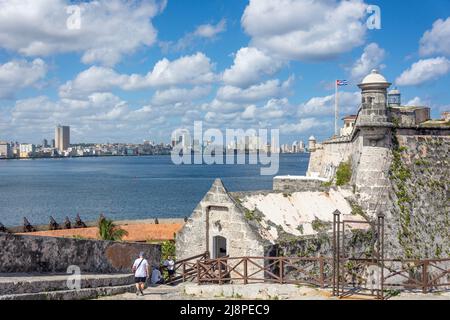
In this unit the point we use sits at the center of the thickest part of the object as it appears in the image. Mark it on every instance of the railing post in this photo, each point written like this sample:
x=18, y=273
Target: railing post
x=220, y=271
x=322, y=271
x=198, y=271
x=184, y=272
x=281, y=270
x=245, y=271
x=425, y=276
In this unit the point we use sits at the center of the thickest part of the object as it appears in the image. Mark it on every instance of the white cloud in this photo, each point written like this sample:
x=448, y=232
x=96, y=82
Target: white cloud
x=174, y=95
x=19, y=74
x=417, y=101
x=371, y=58
x=210, y=30
x=303, y=126
x=324, y=106
x=424, y=71
x=109, y=29
x=250, y=64
x=305, y=29
x=263, y=91
x=204, y=31
x=436, y=40
x=100, y=117
x=193, y=70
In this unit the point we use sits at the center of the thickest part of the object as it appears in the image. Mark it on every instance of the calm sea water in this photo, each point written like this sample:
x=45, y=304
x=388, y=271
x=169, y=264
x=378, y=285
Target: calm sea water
x=120, y=187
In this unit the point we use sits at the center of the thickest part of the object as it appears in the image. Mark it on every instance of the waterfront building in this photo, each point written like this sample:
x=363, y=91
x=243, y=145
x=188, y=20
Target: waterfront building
x=62, y=138
x=44, y=143
x=5, y=150
x=302, y=146
x=26, y=150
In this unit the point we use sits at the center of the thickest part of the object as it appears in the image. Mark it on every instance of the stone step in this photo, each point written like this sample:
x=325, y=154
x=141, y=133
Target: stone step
x=82, y=294
x=28, y=284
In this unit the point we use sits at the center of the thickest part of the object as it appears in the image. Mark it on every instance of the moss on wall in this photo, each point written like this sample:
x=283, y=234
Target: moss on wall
x=419, y=221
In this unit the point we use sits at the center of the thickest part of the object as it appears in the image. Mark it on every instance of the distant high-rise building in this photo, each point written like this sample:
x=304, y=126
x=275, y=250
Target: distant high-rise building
x=301, y=146
x=5, y=150
x=62, y=138
x=53, y=143
x=45, y=143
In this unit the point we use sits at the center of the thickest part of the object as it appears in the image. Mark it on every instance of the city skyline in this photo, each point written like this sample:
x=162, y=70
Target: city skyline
x=223, y=65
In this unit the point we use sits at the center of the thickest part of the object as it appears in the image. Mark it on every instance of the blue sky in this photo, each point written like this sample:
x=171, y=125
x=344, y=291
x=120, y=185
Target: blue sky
x=137, y=70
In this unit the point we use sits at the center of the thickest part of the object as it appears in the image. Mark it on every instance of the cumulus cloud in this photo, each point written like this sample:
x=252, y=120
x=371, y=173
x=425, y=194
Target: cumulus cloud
x=424, y=71
x=210, y=30
x=99, y=117
x=194, y=70
x=323, y=106
x=371, y=58
x=269, y=89
x=416, y=101
x=436, y=40
x=250, y=64
x=304, y=29
x=19, y=74
x=203, y=32
x=303, y=126
x=175, y=95
x=109, y=29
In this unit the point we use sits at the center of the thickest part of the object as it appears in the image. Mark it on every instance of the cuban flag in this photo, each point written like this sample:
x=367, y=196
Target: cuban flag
x=341, y=83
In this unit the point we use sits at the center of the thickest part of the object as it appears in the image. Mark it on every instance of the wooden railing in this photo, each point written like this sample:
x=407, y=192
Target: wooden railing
x=282, y=270
x=424, y=275
x=186, y=269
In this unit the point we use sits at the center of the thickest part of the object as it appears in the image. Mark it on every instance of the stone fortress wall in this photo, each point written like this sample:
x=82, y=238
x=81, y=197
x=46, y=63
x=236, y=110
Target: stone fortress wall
x=400, y=167
x=33, y=254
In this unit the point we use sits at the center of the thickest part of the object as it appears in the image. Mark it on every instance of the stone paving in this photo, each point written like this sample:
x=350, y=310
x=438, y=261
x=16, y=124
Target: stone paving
x=253, y=292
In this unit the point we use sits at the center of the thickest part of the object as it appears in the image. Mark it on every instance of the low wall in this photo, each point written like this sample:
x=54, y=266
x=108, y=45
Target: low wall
x=33, y=254
x=299, y=184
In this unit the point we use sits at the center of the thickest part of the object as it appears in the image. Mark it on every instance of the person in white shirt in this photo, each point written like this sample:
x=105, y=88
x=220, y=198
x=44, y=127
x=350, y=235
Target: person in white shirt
x=170, y=266
x=141, y=273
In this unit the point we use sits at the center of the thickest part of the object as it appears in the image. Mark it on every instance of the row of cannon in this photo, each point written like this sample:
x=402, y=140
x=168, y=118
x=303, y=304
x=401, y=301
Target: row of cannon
x=53, y=225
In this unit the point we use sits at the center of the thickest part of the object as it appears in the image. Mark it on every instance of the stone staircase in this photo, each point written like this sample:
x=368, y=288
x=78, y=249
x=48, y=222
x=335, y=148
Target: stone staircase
x=54, y=287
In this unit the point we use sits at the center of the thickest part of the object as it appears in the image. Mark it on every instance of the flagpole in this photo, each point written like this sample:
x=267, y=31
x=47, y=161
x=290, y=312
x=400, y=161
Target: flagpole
x=336, y=110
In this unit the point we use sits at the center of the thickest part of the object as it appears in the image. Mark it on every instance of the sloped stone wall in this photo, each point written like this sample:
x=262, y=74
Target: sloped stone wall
x=32, y=254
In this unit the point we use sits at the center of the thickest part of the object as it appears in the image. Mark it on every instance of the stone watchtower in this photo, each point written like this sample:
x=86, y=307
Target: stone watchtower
x=372, y=160
x=373, y=120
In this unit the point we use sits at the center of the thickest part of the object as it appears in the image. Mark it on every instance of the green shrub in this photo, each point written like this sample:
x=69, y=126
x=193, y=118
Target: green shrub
x=344, y=174
x=167, y=249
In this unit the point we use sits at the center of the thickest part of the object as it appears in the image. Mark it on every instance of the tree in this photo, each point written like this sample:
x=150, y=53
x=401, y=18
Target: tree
x=107, y=230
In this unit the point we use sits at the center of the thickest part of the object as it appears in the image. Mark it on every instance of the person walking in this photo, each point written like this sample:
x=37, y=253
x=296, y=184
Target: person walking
x=141, y=273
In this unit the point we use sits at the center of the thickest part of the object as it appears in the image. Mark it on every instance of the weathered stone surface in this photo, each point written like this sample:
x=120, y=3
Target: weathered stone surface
x=226, y=218
x=419, y=194
x=42, y=254
x=28, y=284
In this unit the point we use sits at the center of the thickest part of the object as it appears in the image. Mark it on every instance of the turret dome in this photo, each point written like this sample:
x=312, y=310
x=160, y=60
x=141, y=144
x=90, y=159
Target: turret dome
x=374, y=77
